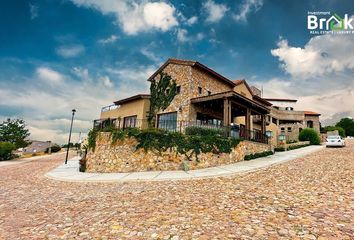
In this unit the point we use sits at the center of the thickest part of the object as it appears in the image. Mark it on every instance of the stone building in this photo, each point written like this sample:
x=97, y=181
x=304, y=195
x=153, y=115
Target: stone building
x=206, y=98
x=288, y=121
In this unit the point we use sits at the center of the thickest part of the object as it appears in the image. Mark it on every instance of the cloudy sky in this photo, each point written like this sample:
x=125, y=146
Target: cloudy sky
x=84, y=54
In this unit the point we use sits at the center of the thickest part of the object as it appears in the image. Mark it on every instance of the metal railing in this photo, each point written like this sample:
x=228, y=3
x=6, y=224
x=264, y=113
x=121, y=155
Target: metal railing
x=236, y=131
x=109, y=108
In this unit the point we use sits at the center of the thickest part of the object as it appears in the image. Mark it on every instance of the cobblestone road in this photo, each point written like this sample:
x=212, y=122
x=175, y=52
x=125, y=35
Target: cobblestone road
x=307, y=198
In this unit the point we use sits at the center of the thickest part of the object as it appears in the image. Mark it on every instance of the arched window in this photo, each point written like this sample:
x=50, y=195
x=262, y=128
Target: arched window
x=310, y=124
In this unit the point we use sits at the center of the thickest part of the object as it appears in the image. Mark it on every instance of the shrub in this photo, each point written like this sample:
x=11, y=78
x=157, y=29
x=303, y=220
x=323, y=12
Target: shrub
x=309, y=134
x=279, y=149
x=82, y=164
x=132, y=132
x=91, y=139
x=297, y=146
x=116, y=135
x=6, y=149
x=202, y=131
x=258, y=155
x=54, y=148
x=188, y=145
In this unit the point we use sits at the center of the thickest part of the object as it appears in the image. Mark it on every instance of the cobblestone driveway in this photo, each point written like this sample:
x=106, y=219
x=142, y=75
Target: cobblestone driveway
x=307, y=198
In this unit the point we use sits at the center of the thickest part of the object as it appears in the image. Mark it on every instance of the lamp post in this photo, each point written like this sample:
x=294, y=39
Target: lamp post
x=71, y=127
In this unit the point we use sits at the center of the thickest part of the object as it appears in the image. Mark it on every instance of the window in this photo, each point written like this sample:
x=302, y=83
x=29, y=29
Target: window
x=274, y=120
x=129, y=122
x=204, y=119
x=282, y=131
x=200, y=90
x=167, y=121
x=178, y=89
x=310, y=124
x=289, y=109
x=289, y=129
x=209, y=93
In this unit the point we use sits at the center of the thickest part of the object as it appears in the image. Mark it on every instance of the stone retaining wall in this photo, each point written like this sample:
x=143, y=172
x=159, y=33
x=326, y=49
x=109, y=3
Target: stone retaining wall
x=124, y=157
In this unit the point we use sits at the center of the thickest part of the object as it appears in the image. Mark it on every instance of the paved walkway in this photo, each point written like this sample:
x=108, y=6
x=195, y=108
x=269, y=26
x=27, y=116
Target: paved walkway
x=71, y=173
x=25, y=160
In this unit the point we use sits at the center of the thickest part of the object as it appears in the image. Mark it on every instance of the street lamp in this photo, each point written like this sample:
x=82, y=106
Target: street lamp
x=71, y=127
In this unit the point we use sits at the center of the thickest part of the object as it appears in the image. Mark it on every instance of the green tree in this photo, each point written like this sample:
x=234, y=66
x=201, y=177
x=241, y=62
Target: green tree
x=14, y=131
x=162, y=93
x=340, y=130
x=6, y=149
x=348, y=125
x=309, y=134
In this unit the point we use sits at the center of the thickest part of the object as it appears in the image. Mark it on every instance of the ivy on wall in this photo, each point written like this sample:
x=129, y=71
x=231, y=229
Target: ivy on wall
x=162, y=93
x=157, y=140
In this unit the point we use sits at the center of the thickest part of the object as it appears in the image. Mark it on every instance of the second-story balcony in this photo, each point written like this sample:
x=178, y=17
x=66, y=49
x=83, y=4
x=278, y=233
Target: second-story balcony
x=109, y=108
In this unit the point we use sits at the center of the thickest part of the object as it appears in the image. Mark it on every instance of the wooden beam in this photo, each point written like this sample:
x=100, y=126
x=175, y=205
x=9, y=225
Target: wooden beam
x=226, y=118
x=263, y=124
x=248, y=122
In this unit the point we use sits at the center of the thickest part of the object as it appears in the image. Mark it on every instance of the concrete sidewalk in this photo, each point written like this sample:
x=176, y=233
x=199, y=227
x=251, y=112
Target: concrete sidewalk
x=70, y=172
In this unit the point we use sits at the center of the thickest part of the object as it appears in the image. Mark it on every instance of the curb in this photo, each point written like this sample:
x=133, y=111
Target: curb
x=70, y=172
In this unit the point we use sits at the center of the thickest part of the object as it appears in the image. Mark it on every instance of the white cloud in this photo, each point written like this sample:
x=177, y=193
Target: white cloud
x=160, y=15
x=109, y=40
x=246, y=8
x=322, y=55
x=320, y=75
x=192, y=20
x=215, y=12
x=135, y=16
x=47, y=111
x=70, y=51
x=150, y=55
x=33, y=11
x=50, y=76
x=183, y=37
x=106, y=81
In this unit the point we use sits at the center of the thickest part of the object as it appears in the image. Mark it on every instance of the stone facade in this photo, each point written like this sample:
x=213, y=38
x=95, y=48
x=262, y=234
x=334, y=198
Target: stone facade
x=189, y=79
x=124, y=157
x=290, y=130
x=315, y=122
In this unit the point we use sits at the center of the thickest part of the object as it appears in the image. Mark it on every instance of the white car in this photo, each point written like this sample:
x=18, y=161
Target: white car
x=335, y=141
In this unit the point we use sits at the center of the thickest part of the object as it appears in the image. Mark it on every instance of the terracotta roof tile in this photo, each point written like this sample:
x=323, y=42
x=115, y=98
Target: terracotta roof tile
x=311, y=113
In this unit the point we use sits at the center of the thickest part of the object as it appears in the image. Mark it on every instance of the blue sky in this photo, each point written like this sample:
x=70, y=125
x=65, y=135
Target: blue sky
x=84, y=54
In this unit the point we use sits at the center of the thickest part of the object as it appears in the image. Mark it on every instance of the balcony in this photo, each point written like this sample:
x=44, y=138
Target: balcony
x=109, y=108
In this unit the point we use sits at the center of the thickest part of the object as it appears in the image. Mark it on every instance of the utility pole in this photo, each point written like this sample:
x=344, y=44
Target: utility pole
x=71, y=128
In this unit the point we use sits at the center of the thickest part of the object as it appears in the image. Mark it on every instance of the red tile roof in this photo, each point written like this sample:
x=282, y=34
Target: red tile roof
x=238, y=81
x=311, y=113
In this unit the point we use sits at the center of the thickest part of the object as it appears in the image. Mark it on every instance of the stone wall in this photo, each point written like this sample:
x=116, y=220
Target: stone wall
x=124, y=157
x=189, y=79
